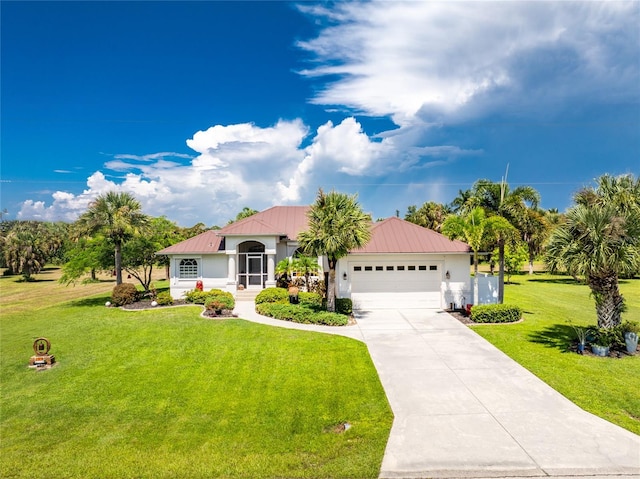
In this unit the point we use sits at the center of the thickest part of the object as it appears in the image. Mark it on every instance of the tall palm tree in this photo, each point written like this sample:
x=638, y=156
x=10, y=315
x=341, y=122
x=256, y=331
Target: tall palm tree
x=337, y=225
x=600, y=240
x=118, y=216
x=498, y=199
x=598, y=243
x=534, y=230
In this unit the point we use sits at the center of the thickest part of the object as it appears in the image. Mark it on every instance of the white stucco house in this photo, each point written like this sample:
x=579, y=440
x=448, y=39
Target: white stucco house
x=403, y=264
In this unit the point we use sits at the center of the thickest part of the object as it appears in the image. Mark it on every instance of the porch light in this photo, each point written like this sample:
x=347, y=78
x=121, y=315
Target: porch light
x=344, y=275
x=448, y=276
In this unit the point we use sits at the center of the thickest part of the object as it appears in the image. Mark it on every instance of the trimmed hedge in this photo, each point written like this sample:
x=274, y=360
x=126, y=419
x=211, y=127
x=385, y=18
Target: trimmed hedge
x=495, y=313
x=200, y=297
x=273, y=295
x=125, y=293
x=300, y=314
x=310, y=300
x=220, y=301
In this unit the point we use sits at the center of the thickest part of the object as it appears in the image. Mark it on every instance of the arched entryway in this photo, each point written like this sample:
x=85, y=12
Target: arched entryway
x=252, y=265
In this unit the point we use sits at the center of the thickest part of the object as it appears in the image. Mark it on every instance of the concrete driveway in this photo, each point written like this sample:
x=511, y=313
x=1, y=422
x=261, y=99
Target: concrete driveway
x=464, y=409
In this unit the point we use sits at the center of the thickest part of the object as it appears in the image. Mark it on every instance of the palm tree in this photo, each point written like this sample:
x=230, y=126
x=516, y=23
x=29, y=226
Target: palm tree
x=600, y=240
x=534, y=230
x=337, y=225
x=472, y=229
x=118, y=217
x=307, y=265
x=497, y=199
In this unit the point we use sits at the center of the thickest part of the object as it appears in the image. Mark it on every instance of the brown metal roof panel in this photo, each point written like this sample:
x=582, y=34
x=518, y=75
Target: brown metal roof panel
x=207, y=242
x=395, y=235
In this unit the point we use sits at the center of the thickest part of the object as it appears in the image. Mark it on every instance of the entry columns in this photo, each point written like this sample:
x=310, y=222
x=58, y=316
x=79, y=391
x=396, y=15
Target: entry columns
x=271, y=268
x=231, y=272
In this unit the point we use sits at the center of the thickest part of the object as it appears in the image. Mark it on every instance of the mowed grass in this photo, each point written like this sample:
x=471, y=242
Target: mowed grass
x=166, y=393
x=606, y=387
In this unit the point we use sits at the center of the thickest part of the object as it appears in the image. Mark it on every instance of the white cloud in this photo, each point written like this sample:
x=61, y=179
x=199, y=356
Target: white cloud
x=455, y=60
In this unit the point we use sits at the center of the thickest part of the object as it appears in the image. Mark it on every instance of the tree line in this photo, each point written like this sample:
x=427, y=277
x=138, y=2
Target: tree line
x=597, y=240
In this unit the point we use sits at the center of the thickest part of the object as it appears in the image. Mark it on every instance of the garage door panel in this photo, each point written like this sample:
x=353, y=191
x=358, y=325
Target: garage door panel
x=394, y=300
x=375, y=286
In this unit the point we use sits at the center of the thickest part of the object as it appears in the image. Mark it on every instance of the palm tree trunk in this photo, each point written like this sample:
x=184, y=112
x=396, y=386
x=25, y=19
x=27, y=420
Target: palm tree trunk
x=118, y=254
x=531, y=259
x=609, y=301
x=331, y=287
x=500, y=271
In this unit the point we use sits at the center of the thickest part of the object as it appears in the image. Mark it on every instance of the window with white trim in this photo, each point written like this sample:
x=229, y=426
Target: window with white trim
x=188, y=268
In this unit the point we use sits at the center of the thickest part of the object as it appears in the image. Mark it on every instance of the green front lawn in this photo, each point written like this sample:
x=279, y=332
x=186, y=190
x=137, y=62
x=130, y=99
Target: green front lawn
x=166, y=393
x=607, y=387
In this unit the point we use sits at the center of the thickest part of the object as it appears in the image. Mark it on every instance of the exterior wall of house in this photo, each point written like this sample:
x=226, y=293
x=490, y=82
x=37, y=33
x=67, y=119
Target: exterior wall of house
x=220, y=270
x=212, y=271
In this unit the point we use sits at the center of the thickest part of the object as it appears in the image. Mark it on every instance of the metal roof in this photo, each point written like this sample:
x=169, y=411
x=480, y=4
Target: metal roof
x=278, y=220
x=208, y=242
x=395, y=235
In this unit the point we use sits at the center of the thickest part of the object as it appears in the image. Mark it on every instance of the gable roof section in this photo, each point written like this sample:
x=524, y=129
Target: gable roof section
x=395, y=235
x=276, y=221
x=208, y=242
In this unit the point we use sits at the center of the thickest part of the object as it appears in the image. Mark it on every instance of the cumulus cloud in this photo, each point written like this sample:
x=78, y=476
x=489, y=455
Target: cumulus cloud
x=456, y=60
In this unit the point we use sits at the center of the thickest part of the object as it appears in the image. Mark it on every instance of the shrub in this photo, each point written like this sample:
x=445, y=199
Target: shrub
x=300, y=314
x=125, y=293
x=495, y=313
x=272, y=295
x=164, y=299
x=311, y=300
x=220, y=301
x=200, y=297
x=344, y=306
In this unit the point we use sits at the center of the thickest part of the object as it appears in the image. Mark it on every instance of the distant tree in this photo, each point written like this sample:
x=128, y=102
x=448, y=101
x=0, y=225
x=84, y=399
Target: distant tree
x=337, y=225
x=430, y=215
x=600, y=241
x=118, y=216
x=534, y=230
x=24, y=251
x=515, y=256
x=87, y=256
x=245, y=213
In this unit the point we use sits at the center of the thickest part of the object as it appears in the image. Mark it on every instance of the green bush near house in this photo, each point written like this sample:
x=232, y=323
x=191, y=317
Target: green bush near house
x=164, y=298
x=495, y=313
x=274, y=302
x=201, y=297
x=311, y=300
x=298, y=313
x=272, y=295
x=344, y=306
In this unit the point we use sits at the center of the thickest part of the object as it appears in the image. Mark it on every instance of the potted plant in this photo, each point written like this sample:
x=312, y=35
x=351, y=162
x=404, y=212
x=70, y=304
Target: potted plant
x=603, y=338
x=631, y=330
x=581, y=336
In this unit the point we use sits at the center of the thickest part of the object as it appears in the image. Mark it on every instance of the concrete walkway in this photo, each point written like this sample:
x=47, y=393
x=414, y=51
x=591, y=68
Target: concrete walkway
x=464, y=409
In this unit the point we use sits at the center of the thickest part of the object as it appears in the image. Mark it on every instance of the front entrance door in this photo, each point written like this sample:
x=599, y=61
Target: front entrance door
x=254, y=270
x=252, y=265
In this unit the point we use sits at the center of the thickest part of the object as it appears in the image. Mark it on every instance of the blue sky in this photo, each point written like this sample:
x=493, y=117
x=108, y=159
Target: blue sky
x=202, y=108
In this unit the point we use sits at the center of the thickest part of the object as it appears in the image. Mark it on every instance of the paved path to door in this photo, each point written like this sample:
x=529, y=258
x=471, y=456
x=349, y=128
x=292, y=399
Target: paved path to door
x=464, y=409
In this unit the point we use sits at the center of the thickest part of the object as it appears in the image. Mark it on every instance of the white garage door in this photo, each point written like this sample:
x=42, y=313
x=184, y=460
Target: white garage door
x=392, y=285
